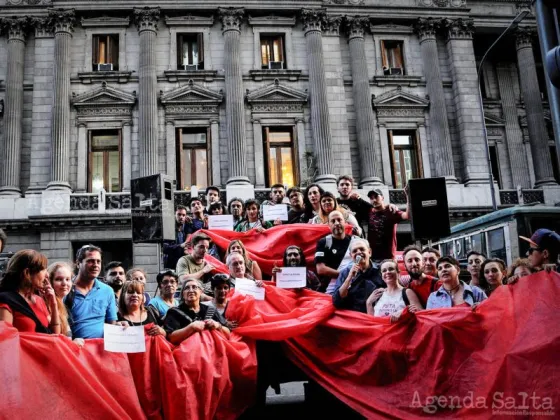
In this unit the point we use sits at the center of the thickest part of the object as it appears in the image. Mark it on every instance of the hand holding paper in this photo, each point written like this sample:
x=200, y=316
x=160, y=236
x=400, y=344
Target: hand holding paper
x=291, y=277
x=278, y=211
x=124, y=340
x=249, y=287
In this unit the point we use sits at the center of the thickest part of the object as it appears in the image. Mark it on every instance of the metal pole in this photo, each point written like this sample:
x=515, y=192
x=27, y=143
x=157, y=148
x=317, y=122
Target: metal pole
x=514, y=22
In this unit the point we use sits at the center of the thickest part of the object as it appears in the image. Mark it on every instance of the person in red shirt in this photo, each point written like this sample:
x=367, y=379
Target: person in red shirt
x=382, y=227
x=23, y=292
x=422, y=283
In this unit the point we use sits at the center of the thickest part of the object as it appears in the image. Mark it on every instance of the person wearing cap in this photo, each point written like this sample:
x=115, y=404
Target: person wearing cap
x=382, y=227
x=352, y=200
x=328, y=205
x=167, y=282
x=545, y=246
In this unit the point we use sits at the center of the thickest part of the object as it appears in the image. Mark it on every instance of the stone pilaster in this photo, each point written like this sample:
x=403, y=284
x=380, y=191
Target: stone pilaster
x=530, y=91
x=467, y=103
x=146, y=20
x=514, y=137
x=313, y=21
x=365, y=121
x=16, y=28
x=442, y=156
x=235, y=106
x=62, y=21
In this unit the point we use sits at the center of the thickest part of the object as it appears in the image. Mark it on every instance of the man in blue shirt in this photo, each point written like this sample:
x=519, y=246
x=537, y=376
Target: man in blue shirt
x=91, y=302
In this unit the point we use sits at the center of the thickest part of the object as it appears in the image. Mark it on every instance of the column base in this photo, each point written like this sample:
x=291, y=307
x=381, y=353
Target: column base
x=59, y=186
x=36, y=189
x=551, y=194
x=243, y=191
x=451, y=179
x=370, y=182
x=238, y=180
x=9, y=191
x=538, y=184
x=325, y=179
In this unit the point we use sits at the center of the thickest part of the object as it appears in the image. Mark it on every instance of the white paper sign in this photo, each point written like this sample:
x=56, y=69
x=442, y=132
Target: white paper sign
x=222, y=221
x=291, y=277
x=124, y=340
x=279, y=211
x=249, y=287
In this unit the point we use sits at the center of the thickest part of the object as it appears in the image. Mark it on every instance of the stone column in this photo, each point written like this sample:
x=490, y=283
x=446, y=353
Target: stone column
x=365, y=122
x=235, y=101
x=126, y=155
x=259, y=154
x=313, y=19
x=81, y=183
x=467, y=102
x=63, y=25
x=215, y=148
x=170, y=148
x=530, y=91
x=442, y=157
x=514, y=137
x=146, y=20
x=300, y=132
x=11, y=163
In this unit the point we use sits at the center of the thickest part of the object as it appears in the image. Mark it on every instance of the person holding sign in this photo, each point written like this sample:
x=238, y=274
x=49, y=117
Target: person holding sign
x=236, y=265
x=294, y=257
x=217, y=209
x=252, y=220
x=190, y=317
x=328, y=205
x=133, y=311
x=251, y=267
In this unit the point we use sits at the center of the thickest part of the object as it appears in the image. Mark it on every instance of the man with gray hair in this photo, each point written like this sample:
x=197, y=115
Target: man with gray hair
x=236, y=265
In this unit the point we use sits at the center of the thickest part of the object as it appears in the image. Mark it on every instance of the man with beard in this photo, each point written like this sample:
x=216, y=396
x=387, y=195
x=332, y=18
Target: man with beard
x=115, y=276
x=294, y=257
x=167, y=281
x=91, y=302
x=352, y=200
x=430, y=257
x=333, y=252
x=296, y=213
x=235, y=208
x=193, y=266
x=421, y=283
x=172, y=251
x=277, y=195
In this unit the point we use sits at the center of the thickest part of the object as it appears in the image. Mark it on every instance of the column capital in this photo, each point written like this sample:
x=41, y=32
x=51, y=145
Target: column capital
x=146, y=19
x=458, y=28
x=231, y=18
x=62, y=20
x=255, y=121
x=313, y=19
x=355, y=26
x=43, y=29
x=214, y=121
x=16, y=28
x=426, y=28
x=331, y=25
x=524, y=37
x=299, y=120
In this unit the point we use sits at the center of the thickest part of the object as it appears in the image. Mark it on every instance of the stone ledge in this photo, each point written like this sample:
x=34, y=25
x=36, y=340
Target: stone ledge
x=284, y=74
x=183, y=75
x=105, y=76
x=410, y=81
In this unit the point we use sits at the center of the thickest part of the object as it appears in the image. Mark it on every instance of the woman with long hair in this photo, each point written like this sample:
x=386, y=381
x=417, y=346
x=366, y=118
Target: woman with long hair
x=252, y=267
x=492, y=275
x=251, y=219
x=311, y=201
x=327, y=205
x=27, y=300
x=60, y=277
x=133, y=311
x=139, y=274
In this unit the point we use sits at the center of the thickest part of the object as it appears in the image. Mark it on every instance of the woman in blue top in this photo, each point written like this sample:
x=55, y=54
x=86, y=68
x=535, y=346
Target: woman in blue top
x=167, y=281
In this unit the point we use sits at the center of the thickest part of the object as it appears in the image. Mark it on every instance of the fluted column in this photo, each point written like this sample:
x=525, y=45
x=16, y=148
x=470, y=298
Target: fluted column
x=530, y=91
x=62, y=22
x=365, y=122
x=259, y=153
x=215, y=147
x=126, y=155
x=235, y=105
x=11, y=163
x=313, y=20
x=82, y=178
x=146, y=20
x=442, y=154
x=514, y=136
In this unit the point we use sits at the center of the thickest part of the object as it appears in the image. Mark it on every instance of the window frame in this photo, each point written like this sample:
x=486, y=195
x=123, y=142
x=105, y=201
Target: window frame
x=200, y=43
x=294, y=152
x=415, y=148
x=271, y=37
x=385, y=57
x=180, y=162
x=112, y=52
x=105, y=160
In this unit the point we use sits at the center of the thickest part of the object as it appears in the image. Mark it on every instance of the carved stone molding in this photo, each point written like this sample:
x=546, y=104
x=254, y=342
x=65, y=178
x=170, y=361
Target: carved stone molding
x=458, y=28
x=42, y=28
x=105, y=22
x=355, y=26
x=102, y=102
x=332, y=25
x=62, y=20
x=272, y=20
x=400, y=105
x=16, y=28
x=345, y=2
x=189, y=20
x=146, y=19
x=277, y=98
x=524, y=37
x=191, y=99
x=28, y=2
x=426, y=28
x=231, y=18
x=313, y=19
x=441, y=3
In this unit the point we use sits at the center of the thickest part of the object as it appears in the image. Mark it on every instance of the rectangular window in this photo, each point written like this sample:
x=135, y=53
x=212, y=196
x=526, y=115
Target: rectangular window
x=104, y=161
x=281, y=166
x=405, y=151
x=393, y=58
x=190, y=52
x=105, y=56
x=495, y=165
x=272, y=52
x=193, y=167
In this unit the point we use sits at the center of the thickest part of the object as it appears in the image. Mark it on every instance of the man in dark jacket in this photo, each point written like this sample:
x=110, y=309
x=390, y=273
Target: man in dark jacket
x=172, y=251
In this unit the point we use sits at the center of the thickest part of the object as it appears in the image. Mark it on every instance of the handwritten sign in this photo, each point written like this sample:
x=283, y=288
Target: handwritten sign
x=223, y=221
x=124, y=340
x=249, y=287
x=291, y=277
x=279, y=211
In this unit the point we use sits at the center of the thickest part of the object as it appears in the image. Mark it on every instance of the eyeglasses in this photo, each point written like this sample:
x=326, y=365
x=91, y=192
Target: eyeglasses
x=166, y=282
x=191, y=288
x=533, y=249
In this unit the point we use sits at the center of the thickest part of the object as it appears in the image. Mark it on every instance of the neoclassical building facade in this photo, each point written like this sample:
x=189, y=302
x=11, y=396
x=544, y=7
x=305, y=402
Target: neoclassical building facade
x=248, y=94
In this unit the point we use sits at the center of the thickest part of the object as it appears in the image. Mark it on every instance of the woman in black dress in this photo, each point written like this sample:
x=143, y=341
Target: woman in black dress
x=132, y=308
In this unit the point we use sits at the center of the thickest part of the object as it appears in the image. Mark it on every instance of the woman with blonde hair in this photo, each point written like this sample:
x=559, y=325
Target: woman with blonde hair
x=133, y=311
x=60, y=277
x=252, y=267
x=328, y=204
x=139, y=274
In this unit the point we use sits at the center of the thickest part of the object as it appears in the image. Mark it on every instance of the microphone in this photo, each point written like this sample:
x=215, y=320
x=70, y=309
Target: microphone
x=358, y=259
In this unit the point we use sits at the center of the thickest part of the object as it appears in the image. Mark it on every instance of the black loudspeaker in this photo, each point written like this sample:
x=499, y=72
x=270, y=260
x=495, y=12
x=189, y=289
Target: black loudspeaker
x=153, y=214
x=429, y=209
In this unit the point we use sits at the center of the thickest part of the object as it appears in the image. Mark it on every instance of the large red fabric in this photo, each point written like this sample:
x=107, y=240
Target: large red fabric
x=507, y=346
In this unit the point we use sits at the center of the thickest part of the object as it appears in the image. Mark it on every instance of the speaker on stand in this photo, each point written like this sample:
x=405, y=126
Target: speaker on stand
x=429, y=210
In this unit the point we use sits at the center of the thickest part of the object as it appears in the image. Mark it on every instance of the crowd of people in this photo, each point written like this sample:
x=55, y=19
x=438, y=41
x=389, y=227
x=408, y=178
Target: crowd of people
x=360, y=273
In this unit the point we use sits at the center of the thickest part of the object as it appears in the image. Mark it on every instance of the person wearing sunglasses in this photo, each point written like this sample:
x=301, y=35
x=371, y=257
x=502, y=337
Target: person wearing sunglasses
x=190, y=317
x=167, y=281
x=545, y=246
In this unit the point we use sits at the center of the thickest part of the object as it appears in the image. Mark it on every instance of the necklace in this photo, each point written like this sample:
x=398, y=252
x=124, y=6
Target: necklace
x=134, y=323
x=453, y=291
